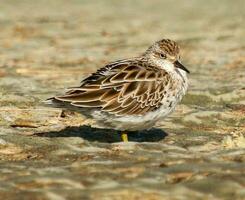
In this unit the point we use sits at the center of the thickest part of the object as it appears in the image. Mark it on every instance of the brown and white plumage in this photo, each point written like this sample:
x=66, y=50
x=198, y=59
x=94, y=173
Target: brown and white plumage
x=131, y=94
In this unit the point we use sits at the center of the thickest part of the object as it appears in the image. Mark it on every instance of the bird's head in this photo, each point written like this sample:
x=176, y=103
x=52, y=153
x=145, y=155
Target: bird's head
x=166, y=54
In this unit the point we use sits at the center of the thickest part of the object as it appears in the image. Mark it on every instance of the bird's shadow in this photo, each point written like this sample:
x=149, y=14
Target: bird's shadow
x=106, y=135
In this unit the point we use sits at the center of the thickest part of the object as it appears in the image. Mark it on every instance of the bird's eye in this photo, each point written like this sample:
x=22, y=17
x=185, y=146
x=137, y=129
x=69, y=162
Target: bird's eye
x=162, y=55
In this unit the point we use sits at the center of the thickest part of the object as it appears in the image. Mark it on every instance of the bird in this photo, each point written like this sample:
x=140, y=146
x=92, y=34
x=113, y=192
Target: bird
x=131, y=94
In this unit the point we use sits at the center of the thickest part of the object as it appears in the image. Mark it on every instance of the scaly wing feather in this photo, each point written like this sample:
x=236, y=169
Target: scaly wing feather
x=126, y=87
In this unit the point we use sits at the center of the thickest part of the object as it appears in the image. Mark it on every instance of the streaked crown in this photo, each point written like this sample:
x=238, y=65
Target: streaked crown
x=165, y=46
x=170, y=47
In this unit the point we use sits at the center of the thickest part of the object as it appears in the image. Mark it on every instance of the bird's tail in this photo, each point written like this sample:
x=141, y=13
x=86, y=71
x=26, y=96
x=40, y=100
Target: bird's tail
x=52, y=102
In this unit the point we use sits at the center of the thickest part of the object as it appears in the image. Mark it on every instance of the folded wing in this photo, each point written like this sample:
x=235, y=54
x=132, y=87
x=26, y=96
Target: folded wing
x=126, y=87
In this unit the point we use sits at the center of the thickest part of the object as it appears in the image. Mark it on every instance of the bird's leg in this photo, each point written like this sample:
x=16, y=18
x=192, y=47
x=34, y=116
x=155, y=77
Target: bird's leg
x=124, y=136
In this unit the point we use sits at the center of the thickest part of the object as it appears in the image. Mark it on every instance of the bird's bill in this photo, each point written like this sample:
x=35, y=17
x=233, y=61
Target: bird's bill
x=180, y=66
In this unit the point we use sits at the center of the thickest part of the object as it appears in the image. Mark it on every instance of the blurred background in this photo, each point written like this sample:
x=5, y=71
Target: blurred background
x=48, y=45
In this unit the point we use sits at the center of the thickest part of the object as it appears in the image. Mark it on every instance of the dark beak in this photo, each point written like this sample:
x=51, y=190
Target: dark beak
x=179, y=65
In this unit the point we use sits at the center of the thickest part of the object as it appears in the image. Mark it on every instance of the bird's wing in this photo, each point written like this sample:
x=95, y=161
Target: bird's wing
x=125, y=87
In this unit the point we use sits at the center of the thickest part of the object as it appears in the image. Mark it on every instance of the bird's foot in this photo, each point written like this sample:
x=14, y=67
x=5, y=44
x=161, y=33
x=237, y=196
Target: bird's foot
x=124, y=136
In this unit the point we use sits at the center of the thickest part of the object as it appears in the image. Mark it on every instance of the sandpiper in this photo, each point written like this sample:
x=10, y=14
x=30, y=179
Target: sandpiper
x=131, y=94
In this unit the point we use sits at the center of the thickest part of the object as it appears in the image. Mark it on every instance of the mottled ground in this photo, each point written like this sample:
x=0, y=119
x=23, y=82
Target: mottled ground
x=197, y=153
